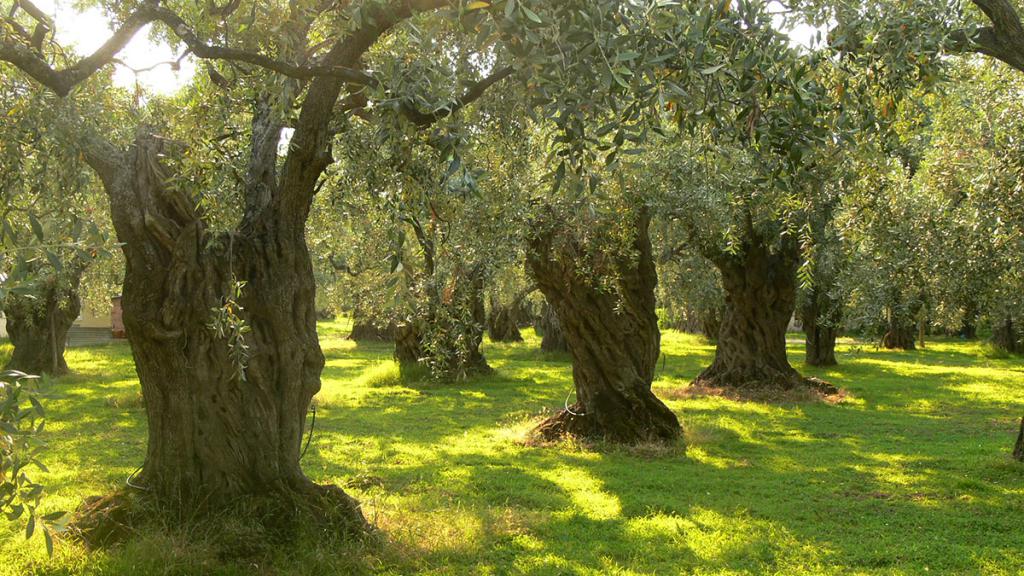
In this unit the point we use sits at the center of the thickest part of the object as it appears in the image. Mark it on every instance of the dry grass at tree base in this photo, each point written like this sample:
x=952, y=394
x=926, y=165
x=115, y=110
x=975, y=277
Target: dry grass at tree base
x=813, y=390
x=910, y=473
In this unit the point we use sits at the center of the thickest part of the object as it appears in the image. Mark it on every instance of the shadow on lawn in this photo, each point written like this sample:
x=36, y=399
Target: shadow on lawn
x=913, y=472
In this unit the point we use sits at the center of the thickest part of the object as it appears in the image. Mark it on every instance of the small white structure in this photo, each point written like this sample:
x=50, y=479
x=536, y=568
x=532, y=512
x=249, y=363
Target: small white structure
x=91, y=327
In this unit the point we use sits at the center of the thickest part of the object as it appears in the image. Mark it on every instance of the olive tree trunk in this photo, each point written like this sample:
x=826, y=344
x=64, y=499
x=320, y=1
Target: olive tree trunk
x=223, y=325
x=1005, y=336
x=501, y=324
x=474, y=331
x=368, y=329
x=1018, y=448
x=38, y=324
x=819, y=317
x=550, y=329
x=613, y=338
x=760, y=297
x=505, y=319
x=899, y=336
x=448, y=332
x=225, y=418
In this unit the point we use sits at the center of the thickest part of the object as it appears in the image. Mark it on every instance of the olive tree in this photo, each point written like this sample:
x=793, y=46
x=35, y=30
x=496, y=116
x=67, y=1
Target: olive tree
x=227, y=396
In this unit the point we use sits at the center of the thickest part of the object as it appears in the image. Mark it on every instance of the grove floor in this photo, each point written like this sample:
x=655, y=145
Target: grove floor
x=911, y=475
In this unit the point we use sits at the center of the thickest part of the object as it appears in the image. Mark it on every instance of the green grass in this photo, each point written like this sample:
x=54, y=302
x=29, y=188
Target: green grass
x=911, y=476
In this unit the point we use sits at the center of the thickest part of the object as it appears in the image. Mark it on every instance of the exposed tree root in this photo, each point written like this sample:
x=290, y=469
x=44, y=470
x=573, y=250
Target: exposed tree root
x=655, y=425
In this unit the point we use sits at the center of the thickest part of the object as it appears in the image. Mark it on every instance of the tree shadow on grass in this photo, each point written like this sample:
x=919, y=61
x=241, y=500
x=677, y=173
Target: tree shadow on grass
x=909, y=474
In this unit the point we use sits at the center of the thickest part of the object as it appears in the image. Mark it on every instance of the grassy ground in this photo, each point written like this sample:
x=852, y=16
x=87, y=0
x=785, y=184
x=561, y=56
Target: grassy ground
x=911, y=475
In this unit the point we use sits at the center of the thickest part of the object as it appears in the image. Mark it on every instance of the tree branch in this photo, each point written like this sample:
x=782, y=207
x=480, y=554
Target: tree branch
x=211, y=52
x=1004, y=40
x=62, y=81
x=473, y=93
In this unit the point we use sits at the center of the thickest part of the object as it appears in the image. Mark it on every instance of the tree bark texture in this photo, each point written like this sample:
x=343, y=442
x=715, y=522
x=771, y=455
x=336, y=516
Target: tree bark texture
x=474, y=284
x=760, y=297
x=550, y=329
x=226, y=407
x=221, y=425
x=613, y=338
x=408, y=343
x=1005, y=336
x=501, y=324
x=38, y=324
x=899, y=336
x=819, y=327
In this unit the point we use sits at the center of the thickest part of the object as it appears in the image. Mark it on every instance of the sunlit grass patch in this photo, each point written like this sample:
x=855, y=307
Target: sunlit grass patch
x=910, y=476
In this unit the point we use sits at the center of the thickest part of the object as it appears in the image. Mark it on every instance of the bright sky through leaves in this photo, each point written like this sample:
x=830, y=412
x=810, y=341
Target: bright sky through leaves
x=87, y=30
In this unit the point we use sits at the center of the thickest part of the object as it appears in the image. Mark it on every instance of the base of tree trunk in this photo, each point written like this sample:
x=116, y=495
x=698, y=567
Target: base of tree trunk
x=366, y=331
x=820, y=346
x=502, y=325
x=267, y=519
x=659, y=425
x=550, y=329
x=1005, y=337
x=750, y=377
x=613, y=338
x=896, y=338
x=809, y=390
x=1018, y=448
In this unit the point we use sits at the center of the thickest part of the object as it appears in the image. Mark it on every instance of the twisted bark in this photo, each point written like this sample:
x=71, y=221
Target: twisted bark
x=219, y=428
x=38, y=324
x=819, y=329
x=760, y=297
x=550, y=329
x=613, y=338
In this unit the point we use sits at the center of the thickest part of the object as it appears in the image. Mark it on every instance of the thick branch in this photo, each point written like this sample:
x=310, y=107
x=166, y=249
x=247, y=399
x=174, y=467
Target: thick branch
x=211, y=52
x=310, y=146
x=1004, y=40
x=62, y=81
x=474, y=92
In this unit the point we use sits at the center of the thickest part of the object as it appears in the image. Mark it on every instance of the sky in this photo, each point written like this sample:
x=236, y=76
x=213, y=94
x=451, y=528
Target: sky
x=87, y=30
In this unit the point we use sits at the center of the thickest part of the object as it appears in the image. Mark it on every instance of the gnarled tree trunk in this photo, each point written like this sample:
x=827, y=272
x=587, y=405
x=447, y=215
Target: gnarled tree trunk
x=408, y=343
x=367, y=329
x=505, y=319
x=899, y=336
x=1005, y=336
x=613, y=338
x=760, y=296
x=550, y=329
x=38, y=325
x=225, y=420
x=474, y=285
x=710, y=323
x=501, y=324
x=819, y=328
